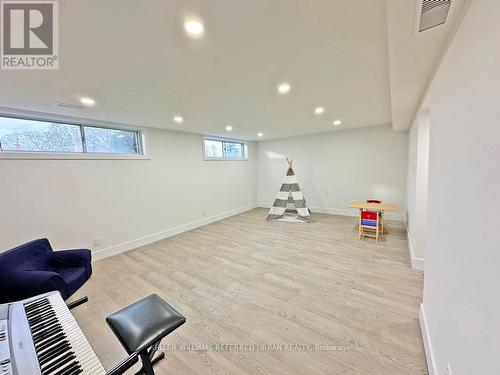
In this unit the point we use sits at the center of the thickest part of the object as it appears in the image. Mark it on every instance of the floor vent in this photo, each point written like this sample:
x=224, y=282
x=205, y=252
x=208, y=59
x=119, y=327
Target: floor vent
x=431, y=13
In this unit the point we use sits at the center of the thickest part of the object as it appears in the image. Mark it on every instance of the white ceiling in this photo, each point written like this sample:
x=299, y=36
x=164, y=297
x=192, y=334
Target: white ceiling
x=134, y=59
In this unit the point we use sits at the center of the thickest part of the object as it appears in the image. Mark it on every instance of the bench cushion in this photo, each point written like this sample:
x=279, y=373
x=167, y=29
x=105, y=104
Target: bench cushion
x=144, y=323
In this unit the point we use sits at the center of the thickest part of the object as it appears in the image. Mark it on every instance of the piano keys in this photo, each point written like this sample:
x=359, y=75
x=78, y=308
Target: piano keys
x=45, y=339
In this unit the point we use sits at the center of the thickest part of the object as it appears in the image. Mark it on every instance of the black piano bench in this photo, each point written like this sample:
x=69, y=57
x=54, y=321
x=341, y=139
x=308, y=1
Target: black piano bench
x=141, y=326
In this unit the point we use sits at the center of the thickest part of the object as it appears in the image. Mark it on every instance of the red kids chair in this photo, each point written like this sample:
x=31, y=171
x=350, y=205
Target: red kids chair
x=369, y=224
x=381, y=213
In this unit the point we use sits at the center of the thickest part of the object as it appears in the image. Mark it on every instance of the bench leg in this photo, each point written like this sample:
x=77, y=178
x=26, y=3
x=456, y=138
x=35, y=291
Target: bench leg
x=148, y=362
x=147, y=366
x=158, y=358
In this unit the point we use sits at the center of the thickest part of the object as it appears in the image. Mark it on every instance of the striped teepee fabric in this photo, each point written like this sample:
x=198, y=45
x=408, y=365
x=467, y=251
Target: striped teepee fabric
x=289, y=204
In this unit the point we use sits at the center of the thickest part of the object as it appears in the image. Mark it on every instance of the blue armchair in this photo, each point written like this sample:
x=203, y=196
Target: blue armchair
x=34, y=268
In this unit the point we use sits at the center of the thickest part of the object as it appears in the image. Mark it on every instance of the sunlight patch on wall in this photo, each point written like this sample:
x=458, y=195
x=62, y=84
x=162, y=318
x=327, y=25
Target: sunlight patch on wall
x=274, y=155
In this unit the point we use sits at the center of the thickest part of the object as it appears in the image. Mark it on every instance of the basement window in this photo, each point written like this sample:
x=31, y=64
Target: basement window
x=25, y=137
x=114, y=141
x=224, y=149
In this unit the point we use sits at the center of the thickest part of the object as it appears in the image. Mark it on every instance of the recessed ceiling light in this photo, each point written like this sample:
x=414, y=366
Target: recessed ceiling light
x=229, y=128
x=319, y=110
x=87, y=101
x=194, y=28
x=284, y=88
x=337, y=122
x=260, y=134
x=178, y=119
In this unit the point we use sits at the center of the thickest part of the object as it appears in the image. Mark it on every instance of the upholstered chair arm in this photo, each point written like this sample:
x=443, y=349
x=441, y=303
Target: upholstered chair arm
x=36, y=282
x=71, y=258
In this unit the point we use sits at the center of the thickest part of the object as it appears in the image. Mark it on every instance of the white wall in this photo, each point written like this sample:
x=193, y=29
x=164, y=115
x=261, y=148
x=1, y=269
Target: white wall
x=462, y=272
x=411, y=186
x=423, y=120
x=417, y=187
x=338, y=167
x=73, y=201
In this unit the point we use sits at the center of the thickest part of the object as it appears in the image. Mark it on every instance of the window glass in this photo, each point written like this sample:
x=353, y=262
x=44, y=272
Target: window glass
x=38, y=136
x=110, y=140
x=24, y=135
x=213, y=149
x=233, y=150
x=224, y=149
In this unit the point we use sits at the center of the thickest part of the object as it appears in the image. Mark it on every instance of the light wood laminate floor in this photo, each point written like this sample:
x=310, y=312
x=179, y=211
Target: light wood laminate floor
x=245, y=281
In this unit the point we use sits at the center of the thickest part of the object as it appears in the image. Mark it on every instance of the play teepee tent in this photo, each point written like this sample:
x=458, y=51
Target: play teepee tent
x=289, y=204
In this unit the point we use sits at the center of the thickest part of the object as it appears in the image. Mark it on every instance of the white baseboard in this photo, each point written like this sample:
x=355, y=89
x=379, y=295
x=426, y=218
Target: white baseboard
x=416, y=263
x=352, y=212
x=129, y=245
x=429, y=352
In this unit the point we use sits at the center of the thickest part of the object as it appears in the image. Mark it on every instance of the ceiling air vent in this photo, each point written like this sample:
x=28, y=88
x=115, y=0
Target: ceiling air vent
x=68, y=105
x=431, y=13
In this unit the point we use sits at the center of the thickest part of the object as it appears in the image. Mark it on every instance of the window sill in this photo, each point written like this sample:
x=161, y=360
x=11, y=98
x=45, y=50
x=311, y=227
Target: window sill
x=5, y=155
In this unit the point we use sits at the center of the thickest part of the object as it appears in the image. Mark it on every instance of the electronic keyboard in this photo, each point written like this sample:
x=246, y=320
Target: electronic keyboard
x=39, y=336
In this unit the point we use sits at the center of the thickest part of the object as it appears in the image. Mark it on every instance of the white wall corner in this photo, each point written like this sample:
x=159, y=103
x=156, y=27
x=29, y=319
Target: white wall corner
x=146, y=240
x=416, y=263
x=429, y=352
